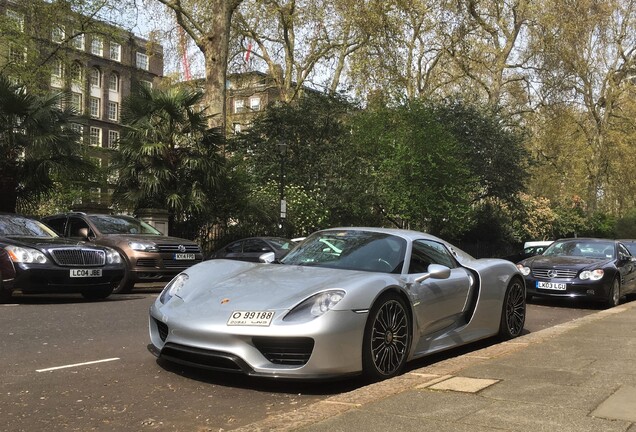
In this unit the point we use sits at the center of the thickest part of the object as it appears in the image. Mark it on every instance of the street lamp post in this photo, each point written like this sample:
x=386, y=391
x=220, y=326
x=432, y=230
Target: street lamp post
x=282, y=150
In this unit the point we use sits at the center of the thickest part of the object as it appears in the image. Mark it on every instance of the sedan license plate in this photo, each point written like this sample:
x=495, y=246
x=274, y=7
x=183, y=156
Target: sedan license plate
x=250, y=318
x=86, y=273
x=184, y=256
x=552, y=286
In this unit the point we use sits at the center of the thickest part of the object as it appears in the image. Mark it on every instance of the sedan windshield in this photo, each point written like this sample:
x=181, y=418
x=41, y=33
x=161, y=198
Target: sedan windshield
x=581, y=248
x=351, y=250
x=122, y=225
x=13, y=226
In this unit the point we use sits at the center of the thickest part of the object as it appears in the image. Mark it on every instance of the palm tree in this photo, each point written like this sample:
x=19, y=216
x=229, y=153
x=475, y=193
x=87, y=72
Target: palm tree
x=38, y=146
x=169, y=157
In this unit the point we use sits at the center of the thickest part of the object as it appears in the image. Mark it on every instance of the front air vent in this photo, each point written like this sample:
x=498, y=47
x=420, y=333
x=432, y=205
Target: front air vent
x=163, y=330
x=292, y=351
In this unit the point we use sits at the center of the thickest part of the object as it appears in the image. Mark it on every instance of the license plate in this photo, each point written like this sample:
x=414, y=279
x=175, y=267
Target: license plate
x=552, y=286
x=86, y=272
x=250, y=318
x=184, y=256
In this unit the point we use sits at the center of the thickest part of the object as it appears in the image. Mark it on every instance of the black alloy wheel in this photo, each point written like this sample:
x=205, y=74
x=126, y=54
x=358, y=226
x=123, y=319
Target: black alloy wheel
x=387, y=338
x=513, y=314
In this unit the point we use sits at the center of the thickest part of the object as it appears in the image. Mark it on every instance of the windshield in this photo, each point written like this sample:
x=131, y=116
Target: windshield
x=15, y=226
x=107, y=224
x=351, y=250
x=582, y=248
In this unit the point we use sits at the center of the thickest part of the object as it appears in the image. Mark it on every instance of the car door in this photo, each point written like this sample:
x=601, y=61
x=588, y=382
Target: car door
x=440, y=303
x=57, y=224
x=627, y=267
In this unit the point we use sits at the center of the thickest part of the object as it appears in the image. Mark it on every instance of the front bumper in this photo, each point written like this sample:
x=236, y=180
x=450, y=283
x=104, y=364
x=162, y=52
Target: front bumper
x=327, y=347
x=592, y=290
x=49, y=278
x=158, y=266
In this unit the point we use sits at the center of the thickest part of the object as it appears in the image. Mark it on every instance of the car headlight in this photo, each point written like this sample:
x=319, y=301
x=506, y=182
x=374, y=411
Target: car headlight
x=315, y=306
x=112, y=257
x=173, y=288
x=523, y=269
x=25, y=255
x=594, y=275
x=143, y=246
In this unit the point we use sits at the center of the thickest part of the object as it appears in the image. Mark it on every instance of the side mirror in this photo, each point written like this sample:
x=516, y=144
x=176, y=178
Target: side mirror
x=435, y=271
x=267, y=258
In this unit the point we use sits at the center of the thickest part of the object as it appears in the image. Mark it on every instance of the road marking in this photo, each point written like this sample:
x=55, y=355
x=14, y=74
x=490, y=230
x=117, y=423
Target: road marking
x=77, y=364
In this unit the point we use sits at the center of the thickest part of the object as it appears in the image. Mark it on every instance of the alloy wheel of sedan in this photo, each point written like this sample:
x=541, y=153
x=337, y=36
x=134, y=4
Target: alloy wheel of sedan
x=387, y=338
x=514, y=311
x=615, y=294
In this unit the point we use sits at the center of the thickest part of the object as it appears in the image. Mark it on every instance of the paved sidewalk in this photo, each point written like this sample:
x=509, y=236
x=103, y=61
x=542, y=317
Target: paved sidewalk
x=578, y=376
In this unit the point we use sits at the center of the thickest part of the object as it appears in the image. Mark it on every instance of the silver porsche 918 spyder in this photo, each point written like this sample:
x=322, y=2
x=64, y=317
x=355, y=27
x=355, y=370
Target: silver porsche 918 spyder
x=344, y=301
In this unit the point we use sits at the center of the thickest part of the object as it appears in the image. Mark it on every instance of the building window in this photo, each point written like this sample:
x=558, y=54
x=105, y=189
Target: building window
x=146, y=84
x=113, y=82
x=58, y=34
x=142, y=61
x=236, y=127
x=96, y=136
x=115, y=51
x=113, y=139
x=113, y=174
x=95, y=78
x=97, y=46
x=113, y=111
x=17, y=18
x=255, y=103
x=94, y=105
x=76, y=101
x=79, y=129
x=78, y=41
x=58, y=69
x=239, y=105
x=77, y=72
x=17, y=54
x=96, y=195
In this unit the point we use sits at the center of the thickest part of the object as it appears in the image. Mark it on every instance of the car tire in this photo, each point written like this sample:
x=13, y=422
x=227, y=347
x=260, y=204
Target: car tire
x=125, y=285
x=614, y=296
x=97, y=294
x=513, y=311
x=387, y=338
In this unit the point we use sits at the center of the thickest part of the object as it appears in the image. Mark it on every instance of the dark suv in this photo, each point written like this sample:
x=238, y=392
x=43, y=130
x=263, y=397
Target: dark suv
x=149, y=255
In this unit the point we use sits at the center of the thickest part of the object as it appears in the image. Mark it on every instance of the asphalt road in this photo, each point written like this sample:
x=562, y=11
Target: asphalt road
x=48, y=383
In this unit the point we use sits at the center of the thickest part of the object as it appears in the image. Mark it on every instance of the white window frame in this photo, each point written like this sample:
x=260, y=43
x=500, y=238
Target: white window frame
x=239, y=106
x=17, y=18
x=97, y=46
x=142, y=61
x=95, y=107
x=76, y=101
x=58, y=33
x=115, y=51
x=113, y=78
x=95, y=77
x=79, y=129
x=95, y=136
x=255, y=103
x=79, y=41
x=17, y=54
x=113, y=139
x=113, y=111
x=77, y=72
x=58, y=69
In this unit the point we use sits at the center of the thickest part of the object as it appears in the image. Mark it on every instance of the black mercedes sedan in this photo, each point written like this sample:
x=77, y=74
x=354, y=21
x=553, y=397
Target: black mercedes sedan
x=35, y=260
x=596, y=269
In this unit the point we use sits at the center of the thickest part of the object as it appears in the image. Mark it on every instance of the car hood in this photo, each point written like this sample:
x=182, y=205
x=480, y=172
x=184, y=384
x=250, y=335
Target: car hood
x=146, y=237
x=228, y=285
x=564, y=261
x=42, y=242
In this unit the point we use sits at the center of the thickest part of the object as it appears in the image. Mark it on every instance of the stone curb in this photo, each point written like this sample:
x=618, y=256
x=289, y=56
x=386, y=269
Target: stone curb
x=419, y=378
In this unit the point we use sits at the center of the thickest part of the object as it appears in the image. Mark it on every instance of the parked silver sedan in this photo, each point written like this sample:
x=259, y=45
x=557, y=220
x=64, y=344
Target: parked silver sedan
x=345, y=301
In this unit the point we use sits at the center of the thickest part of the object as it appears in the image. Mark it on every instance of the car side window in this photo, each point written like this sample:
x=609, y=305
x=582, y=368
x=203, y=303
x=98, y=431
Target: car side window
x=74, y=227
x=256, y=246
x=57, y=224
x=623, y=253
x=235, y=247
x=426, y=252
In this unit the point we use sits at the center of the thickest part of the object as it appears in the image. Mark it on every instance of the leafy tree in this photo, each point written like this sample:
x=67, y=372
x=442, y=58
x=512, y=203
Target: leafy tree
x=37, y=146
x=168, y=156
x=626, y=226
